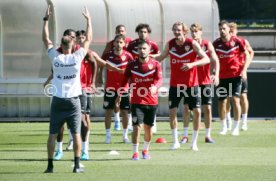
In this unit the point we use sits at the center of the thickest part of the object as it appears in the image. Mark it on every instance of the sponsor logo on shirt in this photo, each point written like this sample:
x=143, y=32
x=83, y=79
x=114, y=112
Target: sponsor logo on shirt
x=66, y=77
x=180, y=61
x=226, y=56
x=67, y=65
x=137, y=80
x=56, y=64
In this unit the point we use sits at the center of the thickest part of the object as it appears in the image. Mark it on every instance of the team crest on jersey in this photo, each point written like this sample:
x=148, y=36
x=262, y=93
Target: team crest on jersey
x=187, y=47
x=105, y=103
x=123, y=57
x=203, y=48
x=232, y=43
x=173, y=49
x=150, y=65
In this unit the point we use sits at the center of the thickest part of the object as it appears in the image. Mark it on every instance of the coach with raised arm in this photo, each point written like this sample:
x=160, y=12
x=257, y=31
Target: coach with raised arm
x=66, y=80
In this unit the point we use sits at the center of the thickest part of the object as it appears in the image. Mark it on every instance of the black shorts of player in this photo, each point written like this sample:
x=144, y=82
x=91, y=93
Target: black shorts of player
x=110, y=97
x=191, y=97
x=228, y=88
x=65, y=110
x=244, y=87
x=206, y=94
x=143, y=114
x=86, y=102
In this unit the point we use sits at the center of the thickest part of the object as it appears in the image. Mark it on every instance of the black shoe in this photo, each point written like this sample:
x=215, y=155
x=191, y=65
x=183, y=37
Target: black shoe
x=49, y=170
x=78, y=170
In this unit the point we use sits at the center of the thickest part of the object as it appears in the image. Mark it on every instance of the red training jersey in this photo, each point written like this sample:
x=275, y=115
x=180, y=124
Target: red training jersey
x=179, y=55
x=142, y=77
x=87, y=71
x=133, y=48
x=114, y=78
x=111, y=46
x=203, y=72
x=229, y=56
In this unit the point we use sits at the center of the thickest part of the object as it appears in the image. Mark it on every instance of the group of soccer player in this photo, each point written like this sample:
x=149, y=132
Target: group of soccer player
x=134, y=75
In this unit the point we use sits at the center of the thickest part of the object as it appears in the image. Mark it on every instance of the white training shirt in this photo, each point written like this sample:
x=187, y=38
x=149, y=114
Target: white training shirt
x=66, y=72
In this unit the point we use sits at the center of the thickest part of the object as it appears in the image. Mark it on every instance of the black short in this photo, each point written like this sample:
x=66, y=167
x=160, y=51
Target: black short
x=229, y=87
x=244, y=87
x=206, y=94
x=86, y=102
x=143, y=114
x=110, y=97
x=191, y=97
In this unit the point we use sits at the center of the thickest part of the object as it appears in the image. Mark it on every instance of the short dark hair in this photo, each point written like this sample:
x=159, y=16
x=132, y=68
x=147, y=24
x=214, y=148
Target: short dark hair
x=66, y=41
x=68, y=31
x=141, y=42
x=119, y=26
x=80, y=32
x=222, y=22
x=120, y=37
x=141, y=26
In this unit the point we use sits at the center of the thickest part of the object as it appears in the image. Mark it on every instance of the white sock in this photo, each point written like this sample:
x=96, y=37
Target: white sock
x=85, y=146
x=146, y=145
x=236, y=124
x=108, y=132
x=175, y=135
x=194, y=140
x=59, y=146
x=208, y=132
x=70, y=134
x=154, y=122
x=129, y=120
x=228, y=116
x=185, y=133
x=223, y=124
x=117, y=116
x=135, y=148
x=244, y=118
x=125, y=133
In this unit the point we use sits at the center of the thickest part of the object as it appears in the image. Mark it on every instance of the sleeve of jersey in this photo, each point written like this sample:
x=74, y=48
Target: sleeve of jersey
x=242, y=45
x=52, y=53
x=158, y=78
x=156, y=49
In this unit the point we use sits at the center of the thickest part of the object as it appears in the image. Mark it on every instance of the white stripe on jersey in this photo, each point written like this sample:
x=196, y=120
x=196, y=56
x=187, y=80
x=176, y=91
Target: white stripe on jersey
x=142, y=75
x=180, y=56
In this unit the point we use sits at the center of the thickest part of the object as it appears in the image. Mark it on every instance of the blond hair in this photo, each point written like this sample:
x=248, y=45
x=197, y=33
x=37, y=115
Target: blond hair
x=185, y=28
x=233, y=25
x=196, y=26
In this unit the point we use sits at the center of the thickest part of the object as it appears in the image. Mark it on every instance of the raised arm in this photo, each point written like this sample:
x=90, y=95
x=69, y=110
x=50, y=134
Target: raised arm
x=164, y=54
x=88, y=39
x=45, y=30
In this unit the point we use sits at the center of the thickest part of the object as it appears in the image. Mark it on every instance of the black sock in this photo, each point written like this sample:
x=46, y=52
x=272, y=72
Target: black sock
x=50, y=163
x=77, y=162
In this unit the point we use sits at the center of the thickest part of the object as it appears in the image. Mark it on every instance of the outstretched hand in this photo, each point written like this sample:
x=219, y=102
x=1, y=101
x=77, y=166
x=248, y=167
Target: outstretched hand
x=86, y=13
x=48, y=12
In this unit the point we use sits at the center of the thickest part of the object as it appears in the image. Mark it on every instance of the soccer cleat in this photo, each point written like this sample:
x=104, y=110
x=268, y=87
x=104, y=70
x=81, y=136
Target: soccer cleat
x=235, y=131
x=209, y=140
x=135, y=156
x=49, y=170
x=70, y=145
x=223, y=131
x=117, y=126
x=244, y=127
x=194, y=147
x=107, y=139
x=175, y=146
x=145, y=154
x=58, y=155
x=78, y=170
x=126, y=140
x=84, y=156
x=184, y=140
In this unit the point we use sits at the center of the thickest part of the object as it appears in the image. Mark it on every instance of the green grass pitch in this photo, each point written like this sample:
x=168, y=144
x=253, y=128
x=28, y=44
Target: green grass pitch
x=250, y=156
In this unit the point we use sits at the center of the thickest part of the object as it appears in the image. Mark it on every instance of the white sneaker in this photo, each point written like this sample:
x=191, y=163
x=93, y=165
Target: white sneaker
x=107, y=139
x=175, y=146
x=223, y=131
x=244, y=127
x=126, y=140
x=194, y=147
x=235, y=131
